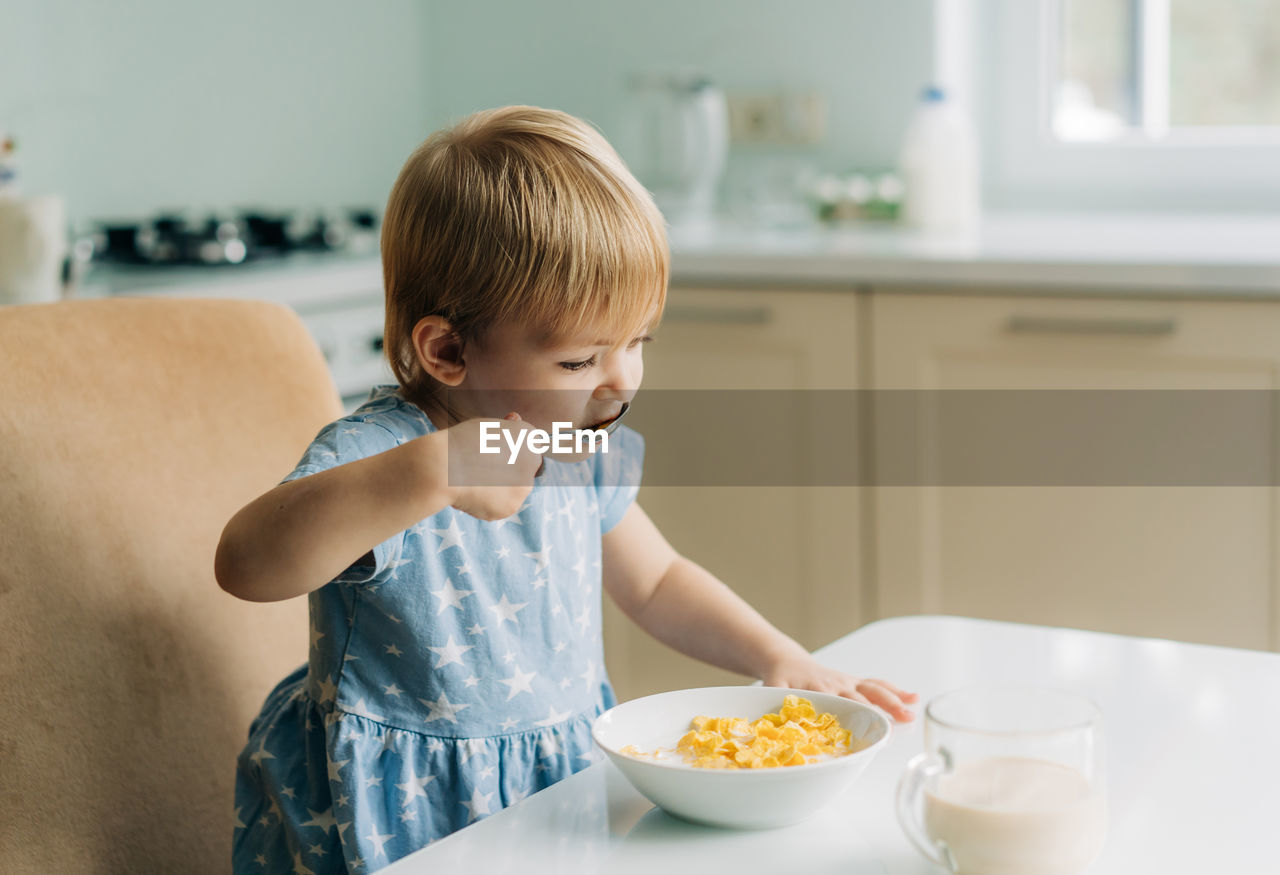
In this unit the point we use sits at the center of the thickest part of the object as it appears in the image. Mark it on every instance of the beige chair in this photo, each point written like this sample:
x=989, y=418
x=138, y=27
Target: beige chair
x=130, y=431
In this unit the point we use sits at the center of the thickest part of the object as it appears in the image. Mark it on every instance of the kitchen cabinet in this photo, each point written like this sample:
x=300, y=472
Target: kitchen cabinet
x=791, y=551
x=1195, y=563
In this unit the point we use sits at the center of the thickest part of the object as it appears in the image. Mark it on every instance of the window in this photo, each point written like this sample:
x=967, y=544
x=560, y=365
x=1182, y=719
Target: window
x=1134, y=105
x=1152, y=68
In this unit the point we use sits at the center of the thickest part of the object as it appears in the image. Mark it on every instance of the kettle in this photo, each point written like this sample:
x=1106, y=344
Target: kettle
x=675, y=138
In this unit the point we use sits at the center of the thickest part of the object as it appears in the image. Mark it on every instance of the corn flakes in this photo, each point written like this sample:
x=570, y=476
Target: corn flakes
x=789, y=737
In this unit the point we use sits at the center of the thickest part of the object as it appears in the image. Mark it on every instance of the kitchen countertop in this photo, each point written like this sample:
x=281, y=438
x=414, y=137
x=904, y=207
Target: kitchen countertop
x=1140, y=255
x=1189, y=733
x=1158, y=254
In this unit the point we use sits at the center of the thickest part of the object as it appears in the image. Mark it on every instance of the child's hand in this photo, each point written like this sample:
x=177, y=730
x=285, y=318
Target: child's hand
x=509, y=482
x=803, y=672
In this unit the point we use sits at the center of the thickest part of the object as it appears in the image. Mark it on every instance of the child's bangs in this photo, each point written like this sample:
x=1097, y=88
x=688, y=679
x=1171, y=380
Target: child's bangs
x=615, y=290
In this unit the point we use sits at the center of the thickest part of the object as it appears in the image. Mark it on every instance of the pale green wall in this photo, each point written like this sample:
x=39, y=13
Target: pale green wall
x=128, y=106
x=868, y=57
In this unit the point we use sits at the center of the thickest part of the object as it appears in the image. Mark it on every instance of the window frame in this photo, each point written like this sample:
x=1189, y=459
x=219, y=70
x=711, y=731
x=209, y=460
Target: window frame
x=1027, y=164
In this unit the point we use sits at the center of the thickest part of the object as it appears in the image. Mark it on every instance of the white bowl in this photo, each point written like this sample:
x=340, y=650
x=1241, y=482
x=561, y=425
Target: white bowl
x=741, y=798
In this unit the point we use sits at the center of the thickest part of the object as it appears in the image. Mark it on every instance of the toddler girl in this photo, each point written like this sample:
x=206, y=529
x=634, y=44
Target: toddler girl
x=456, y=660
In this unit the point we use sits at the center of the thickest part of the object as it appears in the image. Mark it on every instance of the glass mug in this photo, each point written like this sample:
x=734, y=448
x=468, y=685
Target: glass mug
x=1011, y=782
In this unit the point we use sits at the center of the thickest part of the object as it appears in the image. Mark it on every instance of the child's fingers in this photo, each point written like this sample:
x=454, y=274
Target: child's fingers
x=886, y=699
x=900, y=693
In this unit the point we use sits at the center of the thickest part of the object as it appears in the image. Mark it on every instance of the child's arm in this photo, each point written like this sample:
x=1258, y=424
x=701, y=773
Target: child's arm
x=686, y=607
x=303, y=533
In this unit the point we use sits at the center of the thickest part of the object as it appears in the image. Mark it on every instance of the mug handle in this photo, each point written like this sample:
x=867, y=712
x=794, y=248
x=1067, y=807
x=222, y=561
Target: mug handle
x=921, y=768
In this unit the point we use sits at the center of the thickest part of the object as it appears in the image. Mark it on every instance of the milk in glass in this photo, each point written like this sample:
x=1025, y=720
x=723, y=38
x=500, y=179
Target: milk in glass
x=1016, y=816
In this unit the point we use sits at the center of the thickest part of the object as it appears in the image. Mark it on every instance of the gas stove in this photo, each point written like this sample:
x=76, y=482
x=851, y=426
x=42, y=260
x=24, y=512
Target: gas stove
x=223, y=239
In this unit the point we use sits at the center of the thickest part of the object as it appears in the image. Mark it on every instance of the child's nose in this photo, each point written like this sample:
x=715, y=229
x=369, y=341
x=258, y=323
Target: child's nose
x=619, y=379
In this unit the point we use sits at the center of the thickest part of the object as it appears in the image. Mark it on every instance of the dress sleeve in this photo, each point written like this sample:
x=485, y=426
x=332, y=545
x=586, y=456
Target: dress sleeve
x=337, y=444
x=618, y=476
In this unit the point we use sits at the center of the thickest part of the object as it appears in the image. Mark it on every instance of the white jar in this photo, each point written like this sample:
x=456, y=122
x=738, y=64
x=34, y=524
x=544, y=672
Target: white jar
x=939, y=165
x=33, y=244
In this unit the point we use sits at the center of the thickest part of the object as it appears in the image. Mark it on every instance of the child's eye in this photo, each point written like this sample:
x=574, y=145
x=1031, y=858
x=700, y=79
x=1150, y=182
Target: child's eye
x=640, y=340
x=577, y=366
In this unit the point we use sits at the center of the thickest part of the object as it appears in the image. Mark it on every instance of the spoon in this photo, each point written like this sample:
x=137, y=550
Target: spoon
x=609, y=426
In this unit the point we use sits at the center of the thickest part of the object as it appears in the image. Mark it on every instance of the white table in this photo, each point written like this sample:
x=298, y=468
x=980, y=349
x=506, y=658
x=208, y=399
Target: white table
x=1193, y=735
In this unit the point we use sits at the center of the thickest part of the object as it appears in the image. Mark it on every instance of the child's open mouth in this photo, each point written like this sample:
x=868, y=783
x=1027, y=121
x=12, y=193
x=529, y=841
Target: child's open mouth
x=611, y=425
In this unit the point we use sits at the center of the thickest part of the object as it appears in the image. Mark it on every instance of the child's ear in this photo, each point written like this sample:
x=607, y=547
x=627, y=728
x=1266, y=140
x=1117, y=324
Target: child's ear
x=439, y=350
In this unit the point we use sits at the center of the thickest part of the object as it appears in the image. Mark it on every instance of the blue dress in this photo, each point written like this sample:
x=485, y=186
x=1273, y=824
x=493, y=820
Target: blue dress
x=458, y=674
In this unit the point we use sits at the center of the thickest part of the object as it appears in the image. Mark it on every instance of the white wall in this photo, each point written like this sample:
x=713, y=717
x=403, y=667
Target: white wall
x=129, y=106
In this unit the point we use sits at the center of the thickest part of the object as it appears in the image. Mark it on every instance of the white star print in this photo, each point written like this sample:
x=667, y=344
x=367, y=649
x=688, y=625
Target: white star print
x=559, y=647
x=590, y=756
x=504, y=610
x=549, y=746
x=434, y=745
x=450, y=537
x=408, y=815
x=516, y=796
x=508, y=657
x=287, y=791
x=392, y=690
x=584, y=619
x=518, y=683
x=476, y=629
x=450, y=653
x=260, y=860
x=450, y=596
x=362, y=710
x=468, y=748
x=235, y=815
x=472, y=681
x=581, y=567
x=507, y=724
x=539, y=583
x=298, y=868
x=590, y=674
x=392, y=650
x=542, y=557
x=274, y=808
x=261, y=753
x=342, y=800
x=393, y=565
x=333, y=769
x=553, y=718
x=323, y=819
x=478, y=805
x=378, y=841
x=443, y=709
x=464, y=569
x=316, y=850
x=327, y=690
x=373, y=781
x=503, y=553
x=316, y=634
x=414, y=787
x=555, y=610
x=486, y=772
x=514, y=519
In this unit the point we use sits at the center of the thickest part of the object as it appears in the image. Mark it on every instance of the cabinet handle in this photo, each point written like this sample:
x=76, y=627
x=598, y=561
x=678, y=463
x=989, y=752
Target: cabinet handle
x=1021, y=324
x=718, y=315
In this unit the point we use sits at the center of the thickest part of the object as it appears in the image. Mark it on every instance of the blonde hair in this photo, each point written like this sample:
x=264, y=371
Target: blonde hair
x=520, y=214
